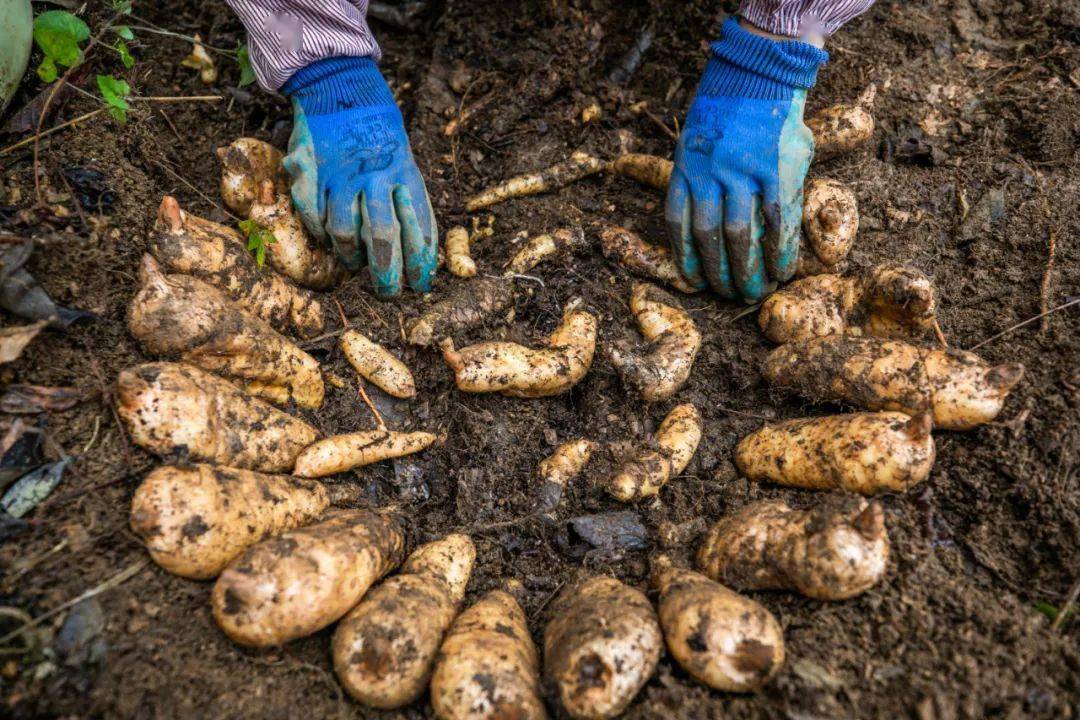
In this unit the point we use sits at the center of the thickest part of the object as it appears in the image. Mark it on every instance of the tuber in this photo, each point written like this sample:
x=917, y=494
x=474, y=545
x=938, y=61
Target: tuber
x=297, y=583
x=890, y=301
x=542, y=247
x=521, y=371
x=840, y=128
x=830, y=224
x=646, y=169
x=959, y=388
x=182, y=317
x=649, y=470
x=377, y=365
x=580, y=165
x=673, y=342
x=216, y=254
x=836, y=550
x=601, y=646
x=340, y=453
x=458, y=260
x=295, y=254
x=488, y=667
x=384, y=649
x=180, y=411
x=245, y=164
x=640, y=258
x=561, y=467
x=865, y=453
x=724, y=640
x=468, y=306
x=195, y=520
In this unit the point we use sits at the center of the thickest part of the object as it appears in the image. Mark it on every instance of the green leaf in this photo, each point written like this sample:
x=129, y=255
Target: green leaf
x=247, y=73
x=47, y=70
x=125, y=54
x=115, y=93
x=122, y=6
x=124, y=32
x=258, y=238
x=1047, y=609
x=58, y=34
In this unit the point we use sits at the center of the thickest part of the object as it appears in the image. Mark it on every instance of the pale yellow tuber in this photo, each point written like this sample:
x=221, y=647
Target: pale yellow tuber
x=844, y=127
x=830, y=224
x=559, y=468
x=655, y=262
x=340, y=453
x=295, y=254
x=456, y=246
x=649, y=469
x=646, y=169
x=245, y=164
x=377, y=365
x=580, y=165
x=543, y=247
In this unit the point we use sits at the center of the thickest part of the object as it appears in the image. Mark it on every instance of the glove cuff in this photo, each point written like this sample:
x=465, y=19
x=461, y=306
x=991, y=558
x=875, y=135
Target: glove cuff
x=334, y=84
x=751, y=66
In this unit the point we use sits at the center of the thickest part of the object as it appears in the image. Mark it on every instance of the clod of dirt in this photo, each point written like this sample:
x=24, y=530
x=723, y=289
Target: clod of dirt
x=81, y=639
x=91, y=188
x=621, y=530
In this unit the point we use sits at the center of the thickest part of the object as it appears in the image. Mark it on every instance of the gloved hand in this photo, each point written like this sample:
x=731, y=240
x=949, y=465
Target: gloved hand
x=734, y=202
x=354, y=179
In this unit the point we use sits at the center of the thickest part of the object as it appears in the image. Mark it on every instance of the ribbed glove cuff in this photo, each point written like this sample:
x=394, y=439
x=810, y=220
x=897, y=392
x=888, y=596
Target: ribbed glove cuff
x=340, y=83
x=751, y=66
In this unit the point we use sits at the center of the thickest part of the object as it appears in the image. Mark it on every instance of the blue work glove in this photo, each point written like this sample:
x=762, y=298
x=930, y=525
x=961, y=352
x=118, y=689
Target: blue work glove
x=734, y=203
x=354, y=180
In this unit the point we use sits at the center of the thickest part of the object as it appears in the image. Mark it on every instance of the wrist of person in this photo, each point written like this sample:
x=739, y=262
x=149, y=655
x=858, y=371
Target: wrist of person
x=339, y=83
x=752, y=65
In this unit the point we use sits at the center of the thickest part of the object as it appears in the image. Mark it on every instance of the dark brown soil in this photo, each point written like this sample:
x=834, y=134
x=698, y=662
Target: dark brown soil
x=953, y=632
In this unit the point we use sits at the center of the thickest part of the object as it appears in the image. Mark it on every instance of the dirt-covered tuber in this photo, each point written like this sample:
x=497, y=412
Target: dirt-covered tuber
x=376, y=365
x=830, y=224
x=843, y=127
x=340, y=453
x=646, y=169
x=456, y=247
x=579, y=165
x=294, y=254
x=245, y=164
x=561, y=467
x=655, y=262
x=672, y=447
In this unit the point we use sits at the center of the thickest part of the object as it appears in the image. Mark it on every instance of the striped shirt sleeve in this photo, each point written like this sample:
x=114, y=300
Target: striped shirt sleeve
x=286, y=35
x=799, y=18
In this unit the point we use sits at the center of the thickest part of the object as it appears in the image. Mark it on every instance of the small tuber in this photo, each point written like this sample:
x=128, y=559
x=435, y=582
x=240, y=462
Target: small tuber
x=384, y=649
x=295, y=254
x=180, y=411
x=245, y=164
x=673, y=343
x=865, y=453
x=959, y=388
x=340, y=453
x=646, y=169
x=640, y=258
x=520, y=371
x=647, y=471
x=601, y=646
x=181, y=317
x=724, y=640
x=841, y=128
x=543, y=247
x=469, y=305
x=488, y=667
x=830, y=224
x=458, y=260
x=561, y=467
x=833, y=551
x=377, y=365
x=297, y=583
x=579, y=165
x=195, y=520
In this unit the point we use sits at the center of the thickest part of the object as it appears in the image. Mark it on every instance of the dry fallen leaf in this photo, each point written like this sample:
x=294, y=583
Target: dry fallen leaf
x=13, y=340
x=31, y=399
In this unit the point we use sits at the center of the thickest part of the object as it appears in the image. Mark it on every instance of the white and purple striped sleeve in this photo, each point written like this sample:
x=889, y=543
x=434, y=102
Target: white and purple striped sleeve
x=800, y=18
x=286, y=35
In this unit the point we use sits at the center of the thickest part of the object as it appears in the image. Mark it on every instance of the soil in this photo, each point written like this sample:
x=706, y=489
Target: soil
x=978, y=101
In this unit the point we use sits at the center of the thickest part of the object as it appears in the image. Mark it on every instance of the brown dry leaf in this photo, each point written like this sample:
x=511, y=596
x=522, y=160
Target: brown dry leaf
x=13, y=340
x=32, y=399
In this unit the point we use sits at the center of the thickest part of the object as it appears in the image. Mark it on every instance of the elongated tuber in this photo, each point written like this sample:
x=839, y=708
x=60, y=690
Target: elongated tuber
x=458, y=260
x=579, y=165
x=180, y=411
x=181, y=317
x=543, y=247
x=469, y=305
x=488, y=667
x=830, y=224
x=841, y=128
x=340, y=453
x=561, y=467
x=195, y=520
x=297, y=583
x=521, y=371
x=646, y=169
x=216, y=254
x=377, y=365
x=890, y=301
x=865, y=453
x=959, y=388
x=601, y=646
x=295, y=255
x=385, y=648
x=245, y=164
x=724, y=640
x=673, y=342
x=675, y=443
x=640, y=258
x=836, y=550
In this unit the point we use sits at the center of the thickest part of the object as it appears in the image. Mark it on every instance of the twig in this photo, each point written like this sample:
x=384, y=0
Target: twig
x=177, y=98
x=50, y=131
x=1067, y=608
x=371, y=405
x=155, y=30
x=169, y=122
x=117, y=579
x=341, y=313
x=93, y=438
x=663, y=125
x=1030, y=320
x=103, y=388
x=940, y=335
x=1044, y=287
